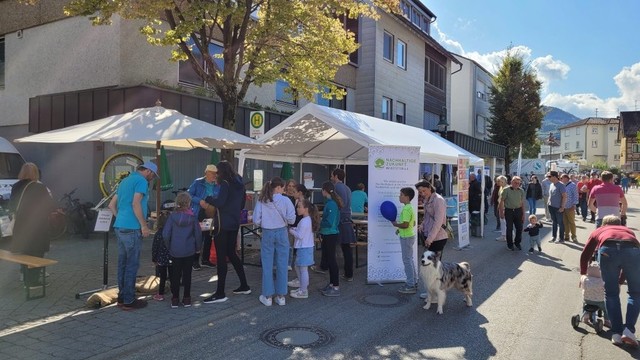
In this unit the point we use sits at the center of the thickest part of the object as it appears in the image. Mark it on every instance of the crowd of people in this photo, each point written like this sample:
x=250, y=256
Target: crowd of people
x=290, y=222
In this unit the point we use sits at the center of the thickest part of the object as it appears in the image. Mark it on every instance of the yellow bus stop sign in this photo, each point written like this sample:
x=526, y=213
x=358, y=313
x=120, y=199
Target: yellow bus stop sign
x=256, y=118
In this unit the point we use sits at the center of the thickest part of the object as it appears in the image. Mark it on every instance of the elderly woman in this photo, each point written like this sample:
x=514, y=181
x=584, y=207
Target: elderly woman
x=31, y=204
x=618, y=251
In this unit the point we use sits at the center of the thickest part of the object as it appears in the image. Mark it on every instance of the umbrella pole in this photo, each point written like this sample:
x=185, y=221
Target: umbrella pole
x=158, y=181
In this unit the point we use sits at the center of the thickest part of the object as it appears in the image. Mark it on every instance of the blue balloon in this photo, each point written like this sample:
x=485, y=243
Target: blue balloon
x=389, y=210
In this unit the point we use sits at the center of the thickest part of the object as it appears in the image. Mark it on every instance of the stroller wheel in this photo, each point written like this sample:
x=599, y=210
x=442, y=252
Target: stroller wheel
x=599, y=326
x=575, y=321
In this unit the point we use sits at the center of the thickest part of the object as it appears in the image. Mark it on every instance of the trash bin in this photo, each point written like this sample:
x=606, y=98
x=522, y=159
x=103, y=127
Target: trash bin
x=474, y=223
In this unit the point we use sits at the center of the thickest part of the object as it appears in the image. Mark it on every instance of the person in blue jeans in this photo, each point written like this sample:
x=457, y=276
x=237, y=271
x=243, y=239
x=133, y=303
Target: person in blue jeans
x=274, y=212
x=618, y=252
x=557, y=202
x=129, y=206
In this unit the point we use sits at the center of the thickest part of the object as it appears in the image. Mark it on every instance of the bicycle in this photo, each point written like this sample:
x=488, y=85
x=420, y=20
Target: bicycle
x=71, y=216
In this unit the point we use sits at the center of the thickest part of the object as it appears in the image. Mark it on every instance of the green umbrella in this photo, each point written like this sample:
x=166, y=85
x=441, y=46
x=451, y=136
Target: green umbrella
x=165, y=177
x=287, y=171
x=215, y=159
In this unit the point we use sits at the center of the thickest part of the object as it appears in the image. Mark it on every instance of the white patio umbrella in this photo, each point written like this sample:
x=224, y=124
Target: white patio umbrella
x=146, y=126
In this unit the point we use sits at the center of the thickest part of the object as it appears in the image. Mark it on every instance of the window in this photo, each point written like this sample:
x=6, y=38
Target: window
x=481, y=90
x=566, y=132
x=386, y=108
x=416, y=16
x=284, y=93
x=333, y=102
x=616, y=156
x=352, y=25
x=594, y=130
x=594, y=143
x=481, y=124
x=635, y=148
x=577, y=145
x=2, y=60
x=387, y=50
x=401, y=112
x=577, y=131
x=401, y=54
x=613, y=128
x=424, y=26
x=636, y=166
x=186, y=73
x=566, y=146
x=406, y=10
x=434, y=74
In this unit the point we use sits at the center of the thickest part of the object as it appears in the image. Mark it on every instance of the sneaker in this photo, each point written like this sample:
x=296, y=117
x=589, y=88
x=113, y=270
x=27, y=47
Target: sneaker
x=207, y=265
x=242, y=290
x=136, y=304
x=574, y=239
x=295, y=283
x=265, y=300
x=158, y=297
x=552, y=240
x=501, y=238
x=629, y=338
x=186, y=301
x=531, y=250
x=215, y=298
x=196, y=267
x=317, y=270
x=616, y=339
x=518, y=247
x=329, y=286
x=539, y=249
x=423, y=295
x=510, y=247
x=174, y=303
x=560, y=241
x=299, y=294
x=349, y=279
x=280, y=300
x=407, y=290
x=331, y=292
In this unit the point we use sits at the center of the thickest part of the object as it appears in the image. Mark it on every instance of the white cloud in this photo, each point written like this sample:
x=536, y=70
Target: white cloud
x=551, y=70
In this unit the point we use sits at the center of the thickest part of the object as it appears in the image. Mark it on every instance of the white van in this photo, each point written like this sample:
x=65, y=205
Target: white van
x=10, y=163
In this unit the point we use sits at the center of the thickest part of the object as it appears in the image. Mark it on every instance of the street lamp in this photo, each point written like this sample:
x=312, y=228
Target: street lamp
x=443, y=123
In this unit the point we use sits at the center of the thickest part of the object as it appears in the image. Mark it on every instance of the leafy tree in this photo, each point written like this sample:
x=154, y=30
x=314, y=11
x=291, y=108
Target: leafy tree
x=516, y=113
x=301, y=42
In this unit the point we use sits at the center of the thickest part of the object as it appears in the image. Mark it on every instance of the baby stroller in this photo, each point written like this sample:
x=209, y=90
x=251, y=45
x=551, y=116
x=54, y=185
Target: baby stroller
x=593, y=309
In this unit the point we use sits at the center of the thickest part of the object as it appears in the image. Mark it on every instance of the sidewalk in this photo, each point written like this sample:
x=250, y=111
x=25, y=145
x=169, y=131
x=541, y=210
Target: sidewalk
x=60, y=326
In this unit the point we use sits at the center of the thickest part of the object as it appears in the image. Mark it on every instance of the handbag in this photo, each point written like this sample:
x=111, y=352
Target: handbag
x=7, y=222
x=447, y=227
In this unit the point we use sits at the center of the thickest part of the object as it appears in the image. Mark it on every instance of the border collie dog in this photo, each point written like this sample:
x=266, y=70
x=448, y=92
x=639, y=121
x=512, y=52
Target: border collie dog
x=438, y=277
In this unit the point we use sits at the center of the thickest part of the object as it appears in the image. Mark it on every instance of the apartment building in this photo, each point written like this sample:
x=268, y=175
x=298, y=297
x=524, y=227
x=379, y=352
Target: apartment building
x=57, y=71
x=629, y=144
x=593, y=139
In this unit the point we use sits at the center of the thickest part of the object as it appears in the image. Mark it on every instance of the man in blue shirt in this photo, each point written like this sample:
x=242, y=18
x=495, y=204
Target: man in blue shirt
x=557, y=203
x=129, y=206
x=569, y=216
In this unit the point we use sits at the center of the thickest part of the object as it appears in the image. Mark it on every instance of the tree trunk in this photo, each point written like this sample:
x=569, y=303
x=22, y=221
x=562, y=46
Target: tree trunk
x=229, y=107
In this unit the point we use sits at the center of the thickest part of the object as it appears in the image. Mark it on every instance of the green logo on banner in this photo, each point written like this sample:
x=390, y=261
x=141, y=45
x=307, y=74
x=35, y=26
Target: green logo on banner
x=379, y=163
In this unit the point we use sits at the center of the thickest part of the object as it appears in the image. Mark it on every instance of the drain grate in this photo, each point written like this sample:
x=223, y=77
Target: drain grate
x=383, y=300
x=292, y=337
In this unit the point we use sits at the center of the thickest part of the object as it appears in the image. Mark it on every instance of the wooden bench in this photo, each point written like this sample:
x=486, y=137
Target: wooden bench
x=30, y=262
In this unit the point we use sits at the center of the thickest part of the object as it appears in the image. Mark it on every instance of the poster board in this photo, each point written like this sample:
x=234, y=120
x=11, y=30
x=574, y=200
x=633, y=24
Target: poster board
x=463, y=202
x=390, y=169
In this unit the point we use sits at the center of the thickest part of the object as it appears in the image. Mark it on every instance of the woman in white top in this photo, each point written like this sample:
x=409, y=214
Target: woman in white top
x=274, y=212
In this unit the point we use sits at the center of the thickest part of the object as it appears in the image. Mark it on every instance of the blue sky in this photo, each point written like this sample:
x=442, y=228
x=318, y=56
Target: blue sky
x=587, y=53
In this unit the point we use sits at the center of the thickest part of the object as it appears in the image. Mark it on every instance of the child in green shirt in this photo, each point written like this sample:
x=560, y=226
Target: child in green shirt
x=406, y=232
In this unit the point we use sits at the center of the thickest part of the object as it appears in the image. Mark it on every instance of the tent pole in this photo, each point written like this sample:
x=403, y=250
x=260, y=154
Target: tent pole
x=158, y=181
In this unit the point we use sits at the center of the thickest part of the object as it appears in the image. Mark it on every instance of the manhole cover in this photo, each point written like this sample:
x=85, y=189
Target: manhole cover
x=383, y=300
x=292, y=337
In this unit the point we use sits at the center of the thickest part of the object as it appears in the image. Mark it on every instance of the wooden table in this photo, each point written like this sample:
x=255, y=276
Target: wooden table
x=246, y=229
x=359, y=227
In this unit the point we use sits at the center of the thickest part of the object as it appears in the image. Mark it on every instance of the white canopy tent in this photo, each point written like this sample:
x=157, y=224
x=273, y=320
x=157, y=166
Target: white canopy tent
x=321, y=135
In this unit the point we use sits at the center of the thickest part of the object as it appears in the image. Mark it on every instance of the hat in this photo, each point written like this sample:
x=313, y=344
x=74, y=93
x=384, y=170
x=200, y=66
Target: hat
x=151, y=166
x=211, y=168
x=553, y=173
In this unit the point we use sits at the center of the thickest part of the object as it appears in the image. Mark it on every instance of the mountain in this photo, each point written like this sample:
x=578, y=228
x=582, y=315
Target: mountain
x=554, y=118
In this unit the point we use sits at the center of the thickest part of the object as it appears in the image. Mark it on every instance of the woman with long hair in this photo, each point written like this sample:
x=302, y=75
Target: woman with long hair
x=329, y=226
x=229, y=202
x=274, y=212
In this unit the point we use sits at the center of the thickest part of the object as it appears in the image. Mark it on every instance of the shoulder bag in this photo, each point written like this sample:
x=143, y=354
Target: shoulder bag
x=6, y=222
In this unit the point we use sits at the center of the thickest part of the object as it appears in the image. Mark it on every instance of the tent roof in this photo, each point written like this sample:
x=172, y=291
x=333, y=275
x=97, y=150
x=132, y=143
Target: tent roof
x=322, y=135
